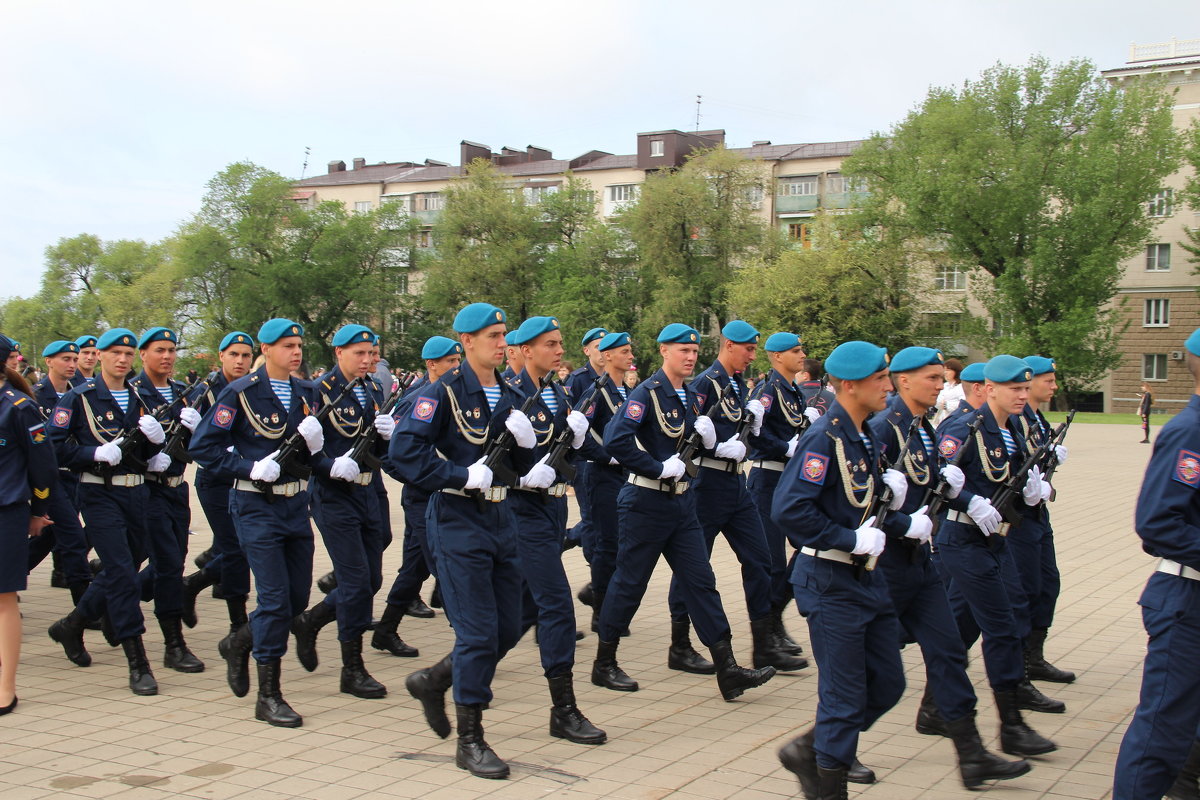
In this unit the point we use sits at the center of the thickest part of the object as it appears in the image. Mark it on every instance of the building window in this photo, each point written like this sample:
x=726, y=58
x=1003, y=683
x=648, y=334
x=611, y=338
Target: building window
x=836, y=183
x=402, y=283
x=425, y=238
x=754, y=197
x=1158, y=257
x=950, y=278
x=431, y=201
x=800, y=232
x=798, y=186
x=362, y=206
x=535, y=194
x=656, y=148
x=618, y=196
x=1157, y=313
x=1154, y=366
x=1161, y=204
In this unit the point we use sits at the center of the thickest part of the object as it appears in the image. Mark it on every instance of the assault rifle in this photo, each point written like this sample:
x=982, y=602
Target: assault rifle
x=560, y=449
x=691, y=444
x=1057, y=438
x=363, y=449
x=1005, y=498
x=134, y=440
x=936, y=497
x=178, y=436
x=288, y=455
x=883, y=498
x=498, y=447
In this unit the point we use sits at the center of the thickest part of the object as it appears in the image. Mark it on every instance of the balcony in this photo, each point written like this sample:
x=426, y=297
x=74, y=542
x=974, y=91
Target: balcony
x=427, y=217
x=836, y=200
x=792, y=203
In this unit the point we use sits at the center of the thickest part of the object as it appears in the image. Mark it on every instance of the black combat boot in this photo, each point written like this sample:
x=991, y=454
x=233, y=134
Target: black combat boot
x=235, y=649
x=597, y=604
x=605, y=671
x=587, y=596
x=859, y=773
x=1187, y=785
x=1031, y=698
x=732, y=680
x=141, y=679
x=68, y=632
x=355, y=678
x=1037, y=668
x=785, y=643
x=799, y=758
x=305, y=627
x=929, y=719
x=566, y=720
x=203, y=558
x=176, y=654
x=1017, y=738
x=327, y=582
x=831, y=784
x=271, y=707
x=193, y=585
x=429, y=687
x=975, y=763
x=682, y=656
x=767, y=651
x=417, y=608
x=385, y=637
x=473, y=754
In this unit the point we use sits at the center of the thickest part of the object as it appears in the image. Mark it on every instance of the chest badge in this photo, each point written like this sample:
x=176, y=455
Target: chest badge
x=108, y=415
x=275, y=418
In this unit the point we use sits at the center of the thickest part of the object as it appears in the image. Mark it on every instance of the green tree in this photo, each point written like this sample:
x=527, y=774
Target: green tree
x=1191, y=191
x=1039, y=175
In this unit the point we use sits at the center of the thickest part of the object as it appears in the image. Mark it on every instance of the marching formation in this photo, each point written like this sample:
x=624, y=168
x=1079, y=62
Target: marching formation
x=834, y=490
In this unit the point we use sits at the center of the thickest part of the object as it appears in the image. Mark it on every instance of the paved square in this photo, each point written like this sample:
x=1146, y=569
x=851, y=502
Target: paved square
x=80, y=733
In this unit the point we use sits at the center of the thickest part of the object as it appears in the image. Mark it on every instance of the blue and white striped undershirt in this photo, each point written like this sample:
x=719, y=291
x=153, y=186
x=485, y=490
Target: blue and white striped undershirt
x=926, y=441
x=551, y=401
x=867, y=444
x=283, y=390
x=122, y=398
x=682, y=393
x=361, y=394
x=1010, y=444
x=623, y=390
x=492, y=393
x=167, y=392
x=737, y=392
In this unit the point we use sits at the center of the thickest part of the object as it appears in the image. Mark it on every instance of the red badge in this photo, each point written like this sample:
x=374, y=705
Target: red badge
x=223, y=416
x=766, y=402
x=948, y=446
x=61, y=417
x=813, y=467
x=1187, y=468
x=634, y=410
x=423, y=409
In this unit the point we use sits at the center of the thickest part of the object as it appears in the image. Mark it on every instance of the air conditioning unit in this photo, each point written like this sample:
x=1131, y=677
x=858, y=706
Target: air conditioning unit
x=1177, y=355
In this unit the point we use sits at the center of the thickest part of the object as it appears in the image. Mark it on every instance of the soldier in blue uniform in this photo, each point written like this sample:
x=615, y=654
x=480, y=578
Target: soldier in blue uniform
x=88, y=427
x=824, y=496
x=657, y=513
x=972, y=547
x=539, y=504
x=785, y=416
x=577, y=382
x=514, y=358
x=168, y=513
x=88, y=356
x=1160, y=743
x=913, y=582
x=441, y=354
x=27, y=483
x=724, y=505
x=238, y=439
x=439, y=446
x=345, y=506
x=808, y=381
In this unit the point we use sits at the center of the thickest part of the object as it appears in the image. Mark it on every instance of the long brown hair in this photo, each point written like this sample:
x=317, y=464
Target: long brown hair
x=17, y=381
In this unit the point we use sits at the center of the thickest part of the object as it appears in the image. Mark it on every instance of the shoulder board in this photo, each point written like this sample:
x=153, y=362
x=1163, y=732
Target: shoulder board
x=326, y=384
x=87, y=386
x=17, y=399
x=655, y=382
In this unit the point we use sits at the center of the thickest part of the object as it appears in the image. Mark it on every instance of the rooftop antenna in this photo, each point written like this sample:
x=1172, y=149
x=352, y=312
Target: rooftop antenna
x=304, y=168
x=698, y=112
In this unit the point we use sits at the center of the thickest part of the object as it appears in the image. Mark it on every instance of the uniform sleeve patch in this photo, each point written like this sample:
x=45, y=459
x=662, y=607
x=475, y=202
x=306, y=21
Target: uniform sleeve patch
x=948, y=446
x=223, y=416
x=766, y=401
x=635, y=410
x=590, y=412
x=423, y=408
x=813, y=467
x=1187, y=468
x=38, y=433
x=62, y=416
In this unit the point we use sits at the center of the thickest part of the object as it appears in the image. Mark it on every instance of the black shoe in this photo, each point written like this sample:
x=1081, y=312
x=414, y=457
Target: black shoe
x=355, y=678
x=1031, y=698
x=831, y=783
x=68, y=632
x=681, y=655
x=1017, y=738
x=606, y=673
x=732, y=679
x=193, y=585
x=929, y=719
x=235, y=649
x=566, y=720
x=176, y=654
x=782, y=640
x=1037, y=668
x=579, y=635
x=141, y=679
x=569, y=543
x=305, y=627
x=58, y=579
x=858, y=773
x=975, y=764
x=799, y=758
x=767, y=652
x=429, y=687
x=8, y=709
x=203, y=558
x=587, y=596
x=1186, y=786
x=95, y=566
x=385, y=637
x=327, y=583
x=271, y=707
x=417, y=608
x=473, y=753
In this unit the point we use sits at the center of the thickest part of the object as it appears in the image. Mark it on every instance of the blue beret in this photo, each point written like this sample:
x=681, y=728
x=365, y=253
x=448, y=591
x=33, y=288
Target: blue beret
x=275, y=329
x=740, y=332
x=1007, y=369
x=375, y=339
x=476, y=317
x=6, y=347
x=972, y=373
x=780, y=342
x=534, y=327
x=678, y=333
x=911, y=358
x=237, y=337
x=853, y=361
x=59, y=346
x=117, y=336
x=353, y=334
x=86, y=341
x=1193, y=343
x=157, y=335
x=1039, y=364
x=514, y=338
x=612, y=340
x=439, y=347
x=593, y=334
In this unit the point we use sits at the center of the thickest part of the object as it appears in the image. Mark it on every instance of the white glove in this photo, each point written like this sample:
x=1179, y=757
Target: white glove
x=1033, y=487
x=189, y=418
x=672, y=468
x=479, y=476
x=921, y=526
x=110, y=452
x=1060, y=452
x=707, y=431
x=578, y=424
x=792, y=443
x=385, y=425
x=870, y=539
x=733, y=448
x=1047, y=490
x=955, y=479
x=812, y=414
x=521, y=428
x=896, y=481
x=755, y=408
x=265, y=470
x=344, y=468
x=152, y=429
x=310, y=429
x=540, y=476
x=158, y=463
x=985, y=514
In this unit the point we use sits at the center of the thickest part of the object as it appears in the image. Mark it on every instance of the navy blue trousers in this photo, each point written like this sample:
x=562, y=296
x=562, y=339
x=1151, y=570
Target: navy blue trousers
x=168, y=517
x=1032, y=546
x=603, y=484
x=584, y=530
x=347, y=515
x=228, y=565
x=416, y=563
x=65, y=537
x=115, y=519
x=547, y=599
x=761, y=484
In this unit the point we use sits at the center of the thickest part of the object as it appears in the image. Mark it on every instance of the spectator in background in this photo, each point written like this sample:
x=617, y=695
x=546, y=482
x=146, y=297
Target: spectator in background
x=631, y=378
x=1147, y=400
x=565, y=370
x=952, y=392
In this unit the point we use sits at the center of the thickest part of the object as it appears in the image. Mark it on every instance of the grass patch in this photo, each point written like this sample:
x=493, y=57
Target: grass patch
x=1156, y=420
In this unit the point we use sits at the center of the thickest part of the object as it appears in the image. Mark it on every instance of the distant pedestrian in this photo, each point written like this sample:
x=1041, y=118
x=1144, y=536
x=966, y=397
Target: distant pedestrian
x=1144, y=412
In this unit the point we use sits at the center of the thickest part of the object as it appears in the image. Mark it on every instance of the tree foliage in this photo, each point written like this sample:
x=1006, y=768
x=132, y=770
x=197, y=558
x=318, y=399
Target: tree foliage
x=1191, y=191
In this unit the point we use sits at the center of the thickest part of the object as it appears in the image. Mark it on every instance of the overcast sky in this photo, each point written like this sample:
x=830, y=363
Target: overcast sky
x=116, y=114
